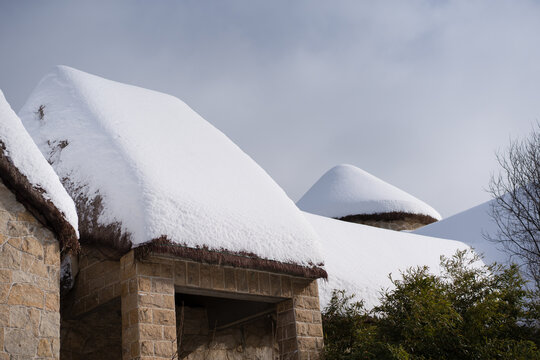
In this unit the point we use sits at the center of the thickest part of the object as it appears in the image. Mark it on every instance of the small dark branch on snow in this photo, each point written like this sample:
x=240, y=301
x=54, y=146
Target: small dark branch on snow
x=41, y=112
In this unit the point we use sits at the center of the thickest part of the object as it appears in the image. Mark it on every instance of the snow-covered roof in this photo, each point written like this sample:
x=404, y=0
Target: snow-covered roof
x=359, y=258
x=471, y=227
x=474, y=227
x=147, y=166
x=347, y=190
x=26, y=172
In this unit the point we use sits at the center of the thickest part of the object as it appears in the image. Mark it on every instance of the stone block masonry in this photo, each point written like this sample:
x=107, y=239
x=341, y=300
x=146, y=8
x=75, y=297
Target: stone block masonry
x=147, y=290
x=148, y=309
x=299, y=325
x=98, y=281
x=29, y=284
x=149, y=321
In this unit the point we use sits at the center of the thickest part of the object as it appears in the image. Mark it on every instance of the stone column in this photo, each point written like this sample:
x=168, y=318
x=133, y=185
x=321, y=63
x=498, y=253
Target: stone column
x=148, y=310
x=299, y=323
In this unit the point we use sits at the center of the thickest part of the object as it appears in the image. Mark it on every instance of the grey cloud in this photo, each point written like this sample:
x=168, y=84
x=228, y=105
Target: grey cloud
x=420, y=93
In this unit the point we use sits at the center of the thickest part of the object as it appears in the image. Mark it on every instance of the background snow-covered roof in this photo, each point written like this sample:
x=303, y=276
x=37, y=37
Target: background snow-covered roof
x=26, y=157
x=359, y=258
x=347, y=190
x=470, y=226
x=161, y=169
x=473, y=227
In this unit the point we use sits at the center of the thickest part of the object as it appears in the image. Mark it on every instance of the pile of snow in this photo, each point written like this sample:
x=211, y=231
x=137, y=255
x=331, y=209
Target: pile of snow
x=471, y=227
x=359, y=258
x=27, y=158
x=347, y=190
x=161, y=169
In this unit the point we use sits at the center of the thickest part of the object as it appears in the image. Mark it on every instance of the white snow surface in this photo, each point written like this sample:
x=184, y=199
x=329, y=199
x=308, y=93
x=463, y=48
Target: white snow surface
x=161, y=169
x=27, y=158
x=359, y=258
x=471, y=227
x=347, y=190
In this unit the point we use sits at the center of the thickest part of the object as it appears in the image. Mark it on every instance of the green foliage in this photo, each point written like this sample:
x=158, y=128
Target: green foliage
x=470, y=311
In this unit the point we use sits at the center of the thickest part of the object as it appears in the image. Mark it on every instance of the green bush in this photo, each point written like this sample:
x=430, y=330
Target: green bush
x=470, y=311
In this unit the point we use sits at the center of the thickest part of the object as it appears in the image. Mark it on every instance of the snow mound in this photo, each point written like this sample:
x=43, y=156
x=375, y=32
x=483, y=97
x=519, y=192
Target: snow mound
x=471, y=227
x=154, y=168
x=347, y=190
x=359, y=258
x=26, y=157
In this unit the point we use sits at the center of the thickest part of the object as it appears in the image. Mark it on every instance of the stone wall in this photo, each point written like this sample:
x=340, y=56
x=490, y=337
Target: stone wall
x=148, y=289
x=299, y=324
x=91, y=326
x=97, y=282
x=148, y=309
x=29, y=284
x=227, y=279
x=96, y=335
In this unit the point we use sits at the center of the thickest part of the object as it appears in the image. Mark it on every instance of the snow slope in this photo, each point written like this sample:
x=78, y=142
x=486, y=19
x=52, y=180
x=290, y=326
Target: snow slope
x=358, y=258
x=161, y=169
x=470, y=226
x=347, y=190
x=27, y=158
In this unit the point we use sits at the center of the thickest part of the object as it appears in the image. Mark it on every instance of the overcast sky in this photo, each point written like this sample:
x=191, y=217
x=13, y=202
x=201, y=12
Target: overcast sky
x=419, y=93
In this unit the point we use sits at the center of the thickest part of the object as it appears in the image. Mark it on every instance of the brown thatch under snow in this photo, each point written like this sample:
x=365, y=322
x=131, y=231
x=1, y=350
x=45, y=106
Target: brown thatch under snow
x=224, y=257
x=389, y=216
x=32, y=198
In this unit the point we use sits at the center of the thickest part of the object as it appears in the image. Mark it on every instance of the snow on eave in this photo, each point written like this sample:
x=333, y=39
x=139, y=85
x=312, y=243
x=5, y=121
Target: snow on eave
x=359, y=258
x=346, y=190
x=24, y=170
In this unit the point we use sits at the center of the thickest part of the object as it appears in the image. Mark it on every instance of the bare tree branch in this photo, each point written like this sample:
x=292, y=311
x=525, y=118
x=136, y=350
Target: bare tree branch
x=516, y=208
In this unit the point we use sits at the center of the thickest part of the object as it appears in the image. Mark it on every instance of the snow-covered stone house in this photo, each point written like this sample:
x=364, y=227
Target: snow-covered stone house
x=348, y=193
x=37, y=222
x=188, y=247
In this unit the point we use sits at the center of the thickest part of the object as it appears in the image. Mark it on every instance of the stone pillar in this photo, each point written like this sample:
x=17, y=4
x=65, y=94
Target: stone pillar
x=148, y=310
x=299, y=323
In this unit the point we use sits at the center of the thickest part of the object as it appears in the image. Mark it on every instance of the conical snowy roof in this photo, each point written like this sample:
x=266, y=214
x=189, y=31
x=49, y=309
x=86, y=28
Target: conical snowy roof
x=143, y=166
x=347, y=190
x=24, y=170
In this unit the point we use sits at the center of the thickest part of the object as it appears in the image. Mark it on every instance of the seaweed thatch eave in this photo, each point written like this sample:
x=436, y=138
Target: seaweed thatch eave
x=389, y=216
x=223, y=257
x=32, y=198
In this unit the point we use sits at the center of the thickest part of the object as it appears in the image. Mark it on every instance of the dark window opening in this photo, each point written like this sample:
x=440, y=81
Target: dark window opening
x=213, y=327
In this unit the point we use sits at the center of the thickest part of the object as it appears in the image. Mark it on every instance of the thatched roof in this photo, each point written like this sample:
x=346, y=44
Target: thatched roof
x=42, y=198
x=142, y=167
x=346, y=191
